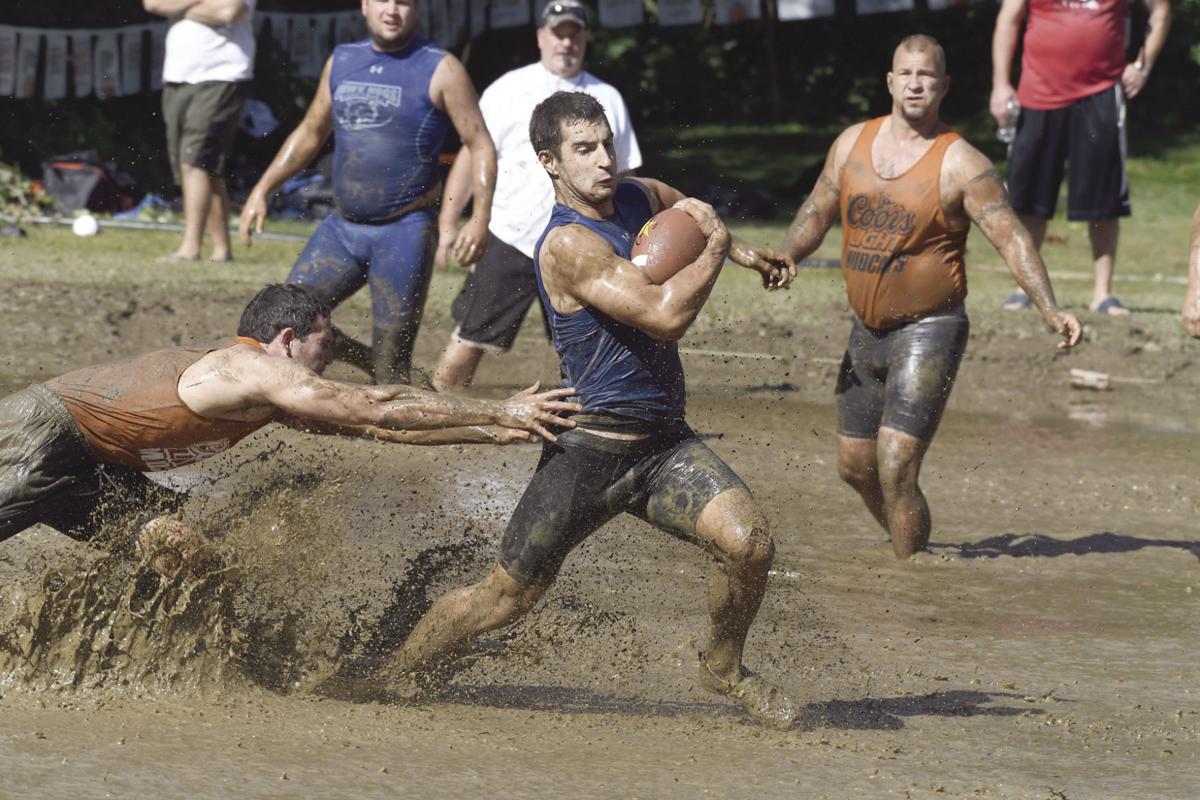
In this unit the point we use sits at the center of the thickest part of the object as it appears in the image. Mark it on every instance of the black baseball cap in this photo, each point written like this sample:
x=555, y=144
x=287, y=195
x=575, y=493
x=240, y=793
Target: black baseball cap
x=557, y=12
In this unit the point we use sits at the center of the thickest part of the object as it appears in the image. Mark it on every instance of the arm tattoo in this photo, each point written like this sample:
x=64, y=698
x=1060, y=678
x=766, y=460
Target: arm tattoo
x=827, y=183
x=991, y=209
x=983, y=176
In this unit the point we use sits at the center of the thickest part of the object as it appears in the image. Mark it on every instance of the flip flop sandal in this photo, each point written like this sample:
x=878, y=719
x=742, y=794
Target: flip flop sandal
x=1108, y=304
x=1017, y=301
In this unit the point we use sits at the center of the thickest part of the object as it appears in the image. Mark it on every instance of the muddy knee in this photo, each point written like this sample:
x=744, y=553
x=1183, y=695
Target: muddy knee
x=858, y=475
x=511, y=602
x=749, y=545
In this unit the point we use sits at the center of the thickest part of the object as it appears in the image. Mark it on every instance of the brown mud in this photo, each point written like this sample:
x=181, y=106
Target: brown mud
x=1045, y=647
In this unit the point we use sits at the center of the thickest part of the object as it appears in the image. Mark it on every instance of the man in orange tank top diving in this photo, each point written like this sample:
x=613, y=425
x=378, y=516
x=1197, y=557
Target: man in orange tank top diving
x=74, y=450
x=907, y=189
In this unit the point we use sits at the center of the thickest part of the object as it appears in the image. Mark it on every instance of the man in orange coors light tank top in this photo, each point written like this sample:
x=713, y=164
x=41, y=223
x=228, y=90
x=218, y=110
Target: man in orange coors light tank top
x=74, y=449
x=907, y=189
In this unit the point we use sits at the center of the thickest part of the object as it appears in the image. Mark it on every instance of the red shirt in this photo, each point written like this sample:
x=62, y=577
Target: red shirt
x=1072, y=49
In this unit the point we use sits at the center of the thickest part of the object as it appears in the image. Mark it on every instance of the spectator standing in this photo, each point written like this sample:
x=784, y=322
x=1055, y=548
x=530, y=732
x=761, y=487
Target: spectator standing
x=206, y=72
x=1073, y=87
x=497, y=294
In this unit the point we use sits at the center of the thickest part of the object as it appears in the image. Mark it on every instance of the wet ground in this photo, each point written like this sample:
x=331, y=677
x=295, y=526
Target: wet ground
x=1044, y=648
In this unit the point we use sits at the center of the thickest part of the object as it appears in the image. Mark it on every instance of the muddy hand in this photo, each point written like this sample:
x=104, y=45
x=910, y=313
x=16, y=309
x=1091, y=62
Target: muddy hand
x=1191, y=317
x=705, y=216
x=532, y=411
x=1066, y=325
x=254, y=213
x=776, y=270
x=172, y=548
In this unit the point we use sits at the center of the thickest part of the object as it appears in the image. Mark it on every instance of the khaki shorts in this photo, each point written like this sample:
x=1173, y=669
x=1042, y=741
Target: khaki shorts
x=202, y=120
x=47, y=475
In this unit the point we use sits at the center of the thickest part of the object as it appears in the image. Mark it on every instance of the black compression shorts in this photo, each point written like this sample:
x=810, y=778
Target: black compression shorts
x=583, y=481
x=900, y=378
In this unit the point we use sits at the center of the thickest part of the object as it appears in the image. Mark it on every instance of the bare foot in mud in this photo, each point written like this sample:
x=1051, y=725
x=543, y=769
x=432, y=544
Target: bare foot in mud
x=929, y=557
x=172, y=548
x=764, y=703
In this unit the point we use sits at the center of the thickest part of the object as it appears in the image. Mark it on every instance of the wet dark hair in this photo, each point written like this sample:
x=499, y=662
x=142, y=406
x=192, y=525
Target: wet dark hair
x=546, y=123
x=278, y=306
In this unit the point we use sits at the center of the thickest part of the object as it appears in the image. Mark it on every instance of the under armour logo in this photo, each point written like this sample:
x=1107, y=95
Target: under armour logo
x=376, y=70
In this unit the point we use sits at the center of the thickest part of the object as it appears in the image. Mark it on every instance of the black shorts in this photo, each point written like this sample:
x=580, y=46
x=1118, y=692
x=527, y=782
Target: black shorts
x=47, y=475
x=1089, y=136
x=900, y=378
x=495, y=298
x=583, y=481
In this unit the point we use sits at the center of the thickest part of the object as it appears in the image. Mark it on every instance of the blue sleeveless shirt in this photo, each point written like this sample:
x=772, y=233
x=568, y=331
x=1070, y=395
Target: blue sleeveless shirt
x=387, y=132
x=616, y=369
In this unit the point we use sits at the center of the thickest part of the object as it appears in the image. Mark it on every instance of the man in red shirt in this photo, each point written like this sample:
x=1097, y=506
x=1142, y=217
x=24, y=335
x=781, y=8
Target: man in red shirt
x=1071, y=101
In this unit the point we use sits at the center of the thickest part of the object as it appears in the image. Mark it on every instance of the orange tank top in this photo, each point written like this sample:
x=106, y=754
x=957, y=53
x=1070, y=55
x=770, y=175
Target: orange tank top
x=130, y=412
x=899, y=259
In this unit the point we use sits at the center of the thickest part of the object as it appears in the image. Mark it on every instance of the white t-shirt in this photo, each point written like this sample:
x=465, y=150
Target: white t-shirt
x=524, y=194
x=197, y=52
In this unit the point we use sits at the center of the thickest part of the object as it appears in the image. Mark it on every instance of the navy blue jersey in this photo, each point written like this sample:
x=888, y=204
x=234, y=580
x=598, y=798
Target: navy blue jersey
x=387, y=132
x=615, y=368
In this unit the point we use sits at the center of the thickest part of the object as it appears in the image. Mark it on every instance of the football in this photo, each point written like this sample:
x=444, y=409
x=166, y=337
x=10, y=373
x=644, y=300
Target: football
x=668, y=242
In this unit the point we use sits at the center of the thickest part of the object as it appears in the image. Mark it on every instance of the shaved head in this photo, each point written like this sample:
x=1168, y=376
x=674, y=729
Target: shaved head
x=919, y=42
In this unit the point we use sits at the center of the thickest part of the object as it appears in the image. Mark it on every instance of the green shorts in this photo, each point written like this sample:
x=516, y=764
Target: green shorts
x=202, y=120
x=47, y=475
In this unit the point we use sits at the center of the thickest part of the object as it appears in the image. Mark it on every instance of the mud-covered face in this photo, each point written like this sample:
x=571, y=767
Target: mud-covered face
x=562, y=48
x=391, y=23
x=586, y=166
x=314, y=350
x=917, y=83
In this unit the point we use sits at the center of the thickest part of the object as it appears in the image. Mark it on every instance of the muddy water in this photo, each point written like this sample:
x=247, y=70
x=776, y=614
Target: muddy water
x=1045, y=648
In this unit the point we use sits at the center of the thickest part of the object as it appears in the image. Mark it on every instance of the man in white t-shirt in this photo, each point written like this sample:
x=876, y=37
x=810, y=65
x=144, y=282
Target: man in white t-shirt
x=209, y=62
x=498, y=292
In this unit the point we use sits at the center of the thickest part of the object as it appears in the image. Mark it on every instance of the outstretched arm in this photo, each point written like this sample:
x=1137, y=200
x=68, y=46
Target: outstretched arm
x=295, y=154
x=474, y=434
x=1191, y=304
x=451, y=90
x=986, y=203
x=816, y=216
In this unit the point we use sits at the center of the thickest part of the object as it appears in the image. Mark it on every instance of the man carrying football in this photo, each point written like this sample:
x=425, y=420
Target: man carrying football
x=615, y=332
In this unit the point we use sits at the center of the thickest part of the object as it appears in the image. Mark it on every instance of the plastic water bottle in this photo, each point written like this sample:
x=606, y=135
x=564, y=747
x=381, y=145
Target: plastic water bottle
x=1008, y=131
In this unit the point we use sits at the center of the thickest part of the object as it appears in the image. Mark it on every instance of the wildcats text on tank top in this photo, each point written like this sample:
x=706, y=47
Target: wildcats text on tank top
x=615, y=369
x=899, y=258
x=387, y=132
x=130, y=412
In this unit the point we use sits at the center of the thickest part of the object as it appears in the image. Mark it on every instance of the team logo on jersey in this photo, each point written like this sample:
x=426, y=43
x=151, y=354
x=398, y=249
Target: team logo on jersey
x=160, y=458
x=876, y=229
x=358, y=106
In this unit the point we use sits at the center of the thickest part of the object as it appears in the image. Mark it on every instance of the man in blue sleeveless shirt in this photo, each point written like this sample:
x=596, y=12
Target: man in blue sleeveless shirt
x=388, y=100
x=632, y=452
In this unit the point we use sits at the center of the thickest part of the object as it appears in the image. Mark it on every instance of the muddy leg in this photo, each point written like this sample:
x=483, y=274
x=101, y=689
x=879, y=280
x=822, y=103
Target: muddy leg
x=447, y=629
x=899, y=457
x=858, y=467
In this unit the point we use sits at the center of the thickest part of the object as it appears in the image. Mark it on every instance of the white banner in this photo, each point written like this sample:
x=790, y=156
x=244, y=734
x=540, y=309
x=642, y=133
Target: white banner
x=320, y=46
x=510, y=13
x=679, y=12
x=621, y=13
x=55, y=87
x=863, y=7
x=731, y=12
x=300, y=50
x=106, y=65
x=27, y=61
x=158, y=54
x=8, y=60
x=804, y=9
x=81, y=62
x=478, y=12
x=131, y=59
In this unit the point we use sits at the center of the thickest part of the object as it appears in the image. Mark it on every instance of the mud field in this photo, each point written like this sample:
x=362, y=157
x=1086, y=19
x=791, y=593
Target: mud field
x=1045, y=648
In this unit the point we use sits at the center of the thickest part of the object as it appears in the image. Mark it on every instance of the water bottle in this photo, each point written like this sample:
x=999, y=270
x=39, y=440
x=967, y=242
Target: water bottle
x=1008, y=131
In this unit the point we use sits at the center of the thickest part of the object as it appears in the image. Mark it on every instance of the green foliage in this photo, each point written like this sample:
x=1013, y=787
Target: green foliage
x=19, y=196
